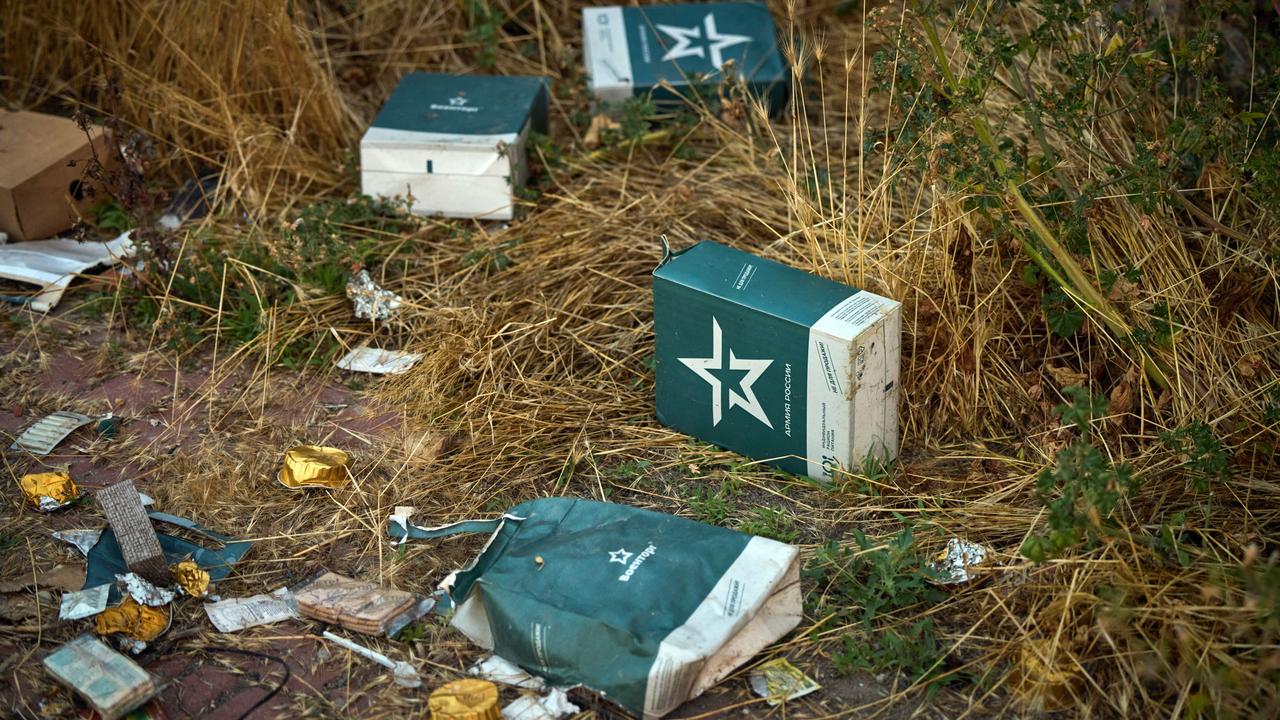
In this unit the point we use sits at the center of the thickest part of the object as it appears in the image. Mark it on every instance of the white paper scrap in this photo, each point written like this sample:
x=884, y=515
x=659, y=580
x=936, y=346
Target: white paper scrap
x=240, y=613
x=552, y=706
x=506, y=672
x=379, y=362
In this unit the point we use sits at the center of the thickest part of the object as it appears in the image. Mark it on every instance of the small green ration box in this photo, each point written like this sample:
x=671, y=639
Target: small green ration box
x=775, y=363
x=632, y=50
x=454, y=143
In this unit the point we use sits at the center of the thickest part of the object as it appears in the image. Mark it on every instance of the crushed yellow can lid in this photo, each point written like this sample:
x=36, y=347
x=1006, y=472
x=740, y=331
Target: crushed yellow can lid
x=49, y=491
x=467, y=699
x=308, y=466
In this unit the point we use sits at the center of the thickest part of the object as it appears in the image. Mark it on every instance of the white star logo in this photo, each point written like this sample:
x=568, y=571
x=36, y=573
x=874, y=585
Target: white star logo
x=683, y=38
x=755, y=368
x=620, y=556
x=457, y=101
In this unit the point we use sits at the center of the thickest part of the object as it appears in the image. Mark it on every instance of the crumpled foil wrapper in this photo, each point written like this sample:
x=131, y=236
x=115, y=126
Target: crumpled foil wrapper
x=371, y=301
x=138, y=624
x=191, y=579
x=954, y=563
x=49, y=491
x=144, y=592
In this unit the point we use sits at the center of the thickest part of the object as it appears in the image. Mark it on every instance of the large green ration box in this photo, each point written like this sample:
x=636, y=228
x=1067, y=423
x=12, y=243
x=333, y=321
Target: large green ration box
x=775, y=363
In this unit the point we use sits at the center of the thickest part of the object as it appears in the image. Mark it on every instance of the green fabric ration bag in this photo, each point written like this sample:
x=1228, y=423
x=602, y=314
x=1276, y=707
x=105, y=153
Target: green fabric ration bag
x=646, y=608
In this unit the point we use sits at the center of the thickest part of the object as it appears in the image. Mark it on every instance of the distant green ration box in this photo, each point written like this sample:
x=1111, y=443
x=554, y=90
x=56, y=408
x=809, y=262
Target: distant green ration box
x=454, y=143
x=632, y=50
x=775, y=363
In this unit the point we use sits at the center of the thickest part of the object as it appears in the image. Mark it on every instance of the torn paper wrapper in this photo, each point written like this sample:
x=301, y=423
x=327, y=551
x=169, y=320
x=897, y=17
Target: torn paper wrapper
x=508, y=673
x=51, y=265
x=779, y=681
x=240, y=613
x=84, y=603
x=378, y=362
x=552, y=706
x=954, y=563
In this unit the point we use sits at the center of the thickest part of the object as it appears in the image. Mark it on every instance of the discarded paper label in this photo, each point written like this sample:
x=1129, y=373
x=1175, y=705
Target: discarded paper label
x=240, y=613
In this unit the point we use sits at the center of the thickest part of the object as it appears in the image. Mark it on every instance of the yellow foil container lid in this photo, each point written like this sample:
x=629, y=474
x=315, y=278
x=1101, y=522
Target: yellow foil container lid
x=49, y=491
x=314, y=466
x=468, y=699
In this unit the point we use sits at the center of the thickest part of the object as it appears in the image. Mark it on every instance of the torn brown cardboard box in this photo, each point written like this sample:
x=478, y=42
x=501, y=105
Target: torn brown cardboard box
x=42, y=162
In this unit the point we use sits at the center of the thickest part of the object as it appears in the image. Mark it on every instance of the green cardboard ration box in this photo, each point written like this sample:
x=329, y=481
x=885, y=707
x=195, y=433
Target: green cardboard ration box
x=775, y=363
x=454, y=143
x=632, y=50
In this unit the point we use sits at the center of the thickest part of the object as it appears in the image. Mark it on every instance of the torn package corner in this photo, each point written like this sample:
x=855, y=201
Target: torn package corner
x=106, y=560
x=371, y=301
x=112, y=683
x=378, y=362
x=779, y=681
x=83, y=603
x=82, y=540
x=45, y=434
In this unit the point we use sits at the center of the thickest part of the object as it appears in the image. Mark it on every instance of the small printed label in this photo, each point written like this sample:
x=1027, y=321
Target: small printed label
x=538, y=641
x=456, y=104
x=747, y=272
x=733, y=603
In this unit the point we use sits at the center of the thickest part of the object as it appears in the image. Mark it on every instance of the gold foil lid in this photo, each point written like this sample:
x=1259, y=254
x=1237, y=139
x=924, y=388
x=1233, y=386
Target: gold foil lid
x=468, y=699
x=192, y=580
x=307, y=466
x=134, y=620
x=49, y=491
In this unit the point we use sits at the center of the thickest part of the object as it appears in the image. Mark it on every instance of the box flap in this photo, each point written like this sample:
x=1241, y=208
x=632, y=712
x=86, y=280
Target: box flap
x=32, y=142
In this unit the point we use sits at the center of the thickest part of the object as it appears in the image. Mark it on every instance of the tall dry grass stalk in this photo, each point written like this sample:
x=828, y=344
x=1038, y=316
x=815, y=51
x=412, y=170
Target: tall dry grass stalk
x=535, y=381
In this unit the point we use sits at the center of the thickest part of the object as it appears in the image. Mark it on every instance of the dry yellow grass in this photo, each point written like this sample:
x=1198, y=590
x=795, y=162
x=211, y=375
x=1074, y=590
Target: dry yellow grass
x=534, y=377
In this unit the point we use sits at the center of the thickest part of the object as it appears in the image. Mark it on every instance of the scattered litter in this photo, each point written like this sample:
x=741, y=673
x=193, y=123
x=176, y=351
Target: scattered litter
x=379, y=362
x=779, y=681
x=953, y=564
x=371, y=301
x=144, y=592
x=402, y=672
x=506, y=672
x=552, y=706
x=133, y=532
x=191, y=579
x=466, y=699
x=240, y=613
x=112, y=683
x=138, y=623
x=106, y=561
x=721, y=613
x=84, y=603
x=193, y=201
x=49, y=491
x=83, y=540
x=359, y=606
x=314, y=466
x=53, y=264
x=42, y=437
x=61, y=577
